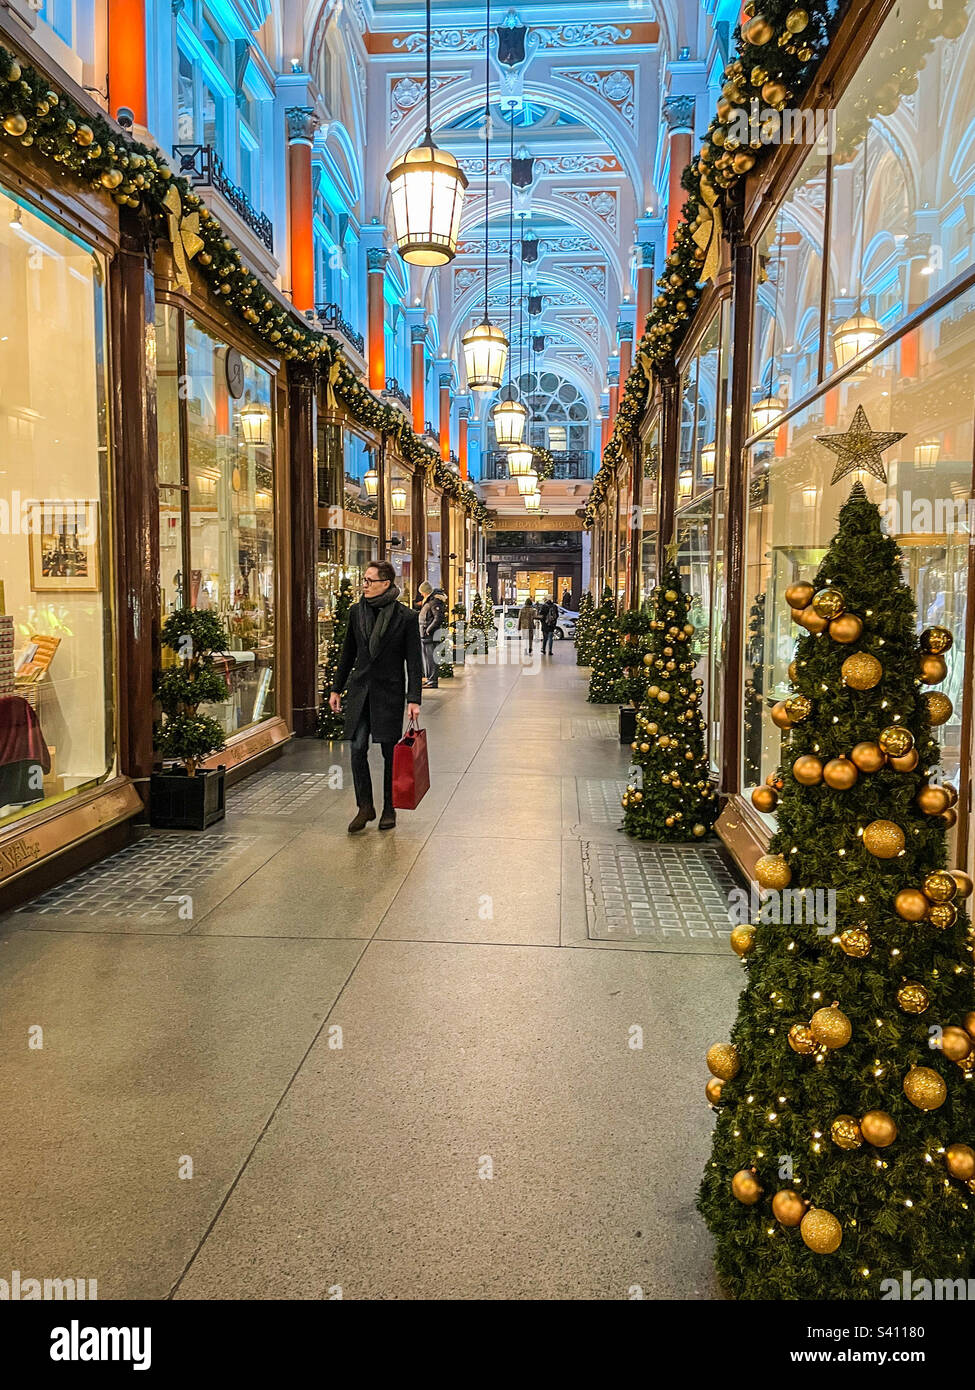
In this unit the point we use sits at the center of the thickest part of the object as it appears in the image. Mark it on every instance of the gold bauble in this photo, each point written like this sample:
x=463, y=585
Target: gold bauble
x=801, y=1039
x=84, y=135
x=788, y=1208
x=846, y=628
x=895, y=740
x=722, y=1061
x=798, y=707
x=963, y=882
x=742, y=940
x=952, y=793
x=883, y=839
x=912, y=997
x=698, y=830
x=799, y=595
x=647, y=659
x=111, y=178
x=771, y=871
x=828, y=603
x=663, y=696
x=840, y=774
x=713, y=1090
x=830, y=1027
x=821, y=1231
x=955, y=1043
x=942, y=915
x=925, y=1088
x=807, y=770
x=861, y=671
x=933, y=669
x=845, y=1132
x=949, y=817
x=14, y=124
x=798, y=616
x=878, y=1128
x=932, y=800
x=855, y=941
x=765, y=799
x=743, y=162
x=780, y=716
x=757, y=31
x=939, y=886
x=746, y=1187
x=869, y=757
x=960, y=1161
x=940, y=708
x=793, y=673
x=796, y=21
x=670, y=595
x=907, y=763
x=936, y=640
x=774, y=92
x=812, y=622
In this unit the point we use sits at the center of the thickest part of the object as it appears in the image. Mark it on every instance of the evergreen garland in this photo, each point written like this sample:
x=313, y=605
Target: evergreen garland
x=851, y=1053
x=673, y=798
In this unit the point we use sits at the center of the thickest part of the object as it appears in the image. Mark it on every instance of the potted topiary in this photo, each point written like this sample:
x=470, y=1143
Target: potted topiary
x=189, y=797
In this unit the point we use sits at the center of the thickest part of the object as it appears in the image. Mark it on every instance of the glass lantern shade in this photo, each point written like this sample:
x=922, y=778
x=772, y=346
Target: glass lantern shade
x=685, y=483
x=708, y=455
x=371, y=480
x=926, y=454
x=255, y=423
x=509, y=422
x=854, y=336
x=520, y=460
x=398, y=496
x=485, y=355
x=533, y=501
x=527, y=482
x=427, y=193
x=765, y=412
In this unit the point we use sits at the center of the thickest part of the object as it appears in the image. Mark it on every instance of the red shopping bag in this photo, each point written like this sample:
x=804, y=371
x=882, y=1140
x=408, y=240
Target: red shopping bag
x=411, y=771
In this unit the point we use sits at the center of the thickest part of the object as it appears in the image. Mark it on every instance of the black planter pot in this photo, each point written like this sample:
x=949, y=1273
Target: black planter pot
x=179, y=802
x=627, y=723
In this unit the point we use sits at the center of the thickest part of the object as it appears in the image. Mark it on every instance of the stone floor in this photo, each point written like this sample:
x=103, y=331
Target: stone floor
x=280, y=1062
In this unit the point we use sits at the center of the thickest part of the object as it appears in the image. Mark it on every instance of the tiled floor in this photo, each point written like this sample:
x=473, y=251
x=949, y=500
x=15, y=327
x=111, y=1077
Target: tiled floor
x=278, y=1060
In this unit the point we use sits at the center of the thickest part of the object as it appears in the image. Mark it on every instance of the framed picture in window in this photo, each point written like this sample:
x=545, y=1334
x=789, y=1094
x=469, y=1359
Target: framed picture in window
x=63, y=538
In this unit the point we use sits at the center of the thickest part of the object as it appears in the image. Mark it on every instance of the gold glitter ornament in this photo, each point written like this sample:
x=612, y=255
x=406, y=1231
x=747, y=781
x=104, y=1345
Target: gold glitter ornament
x=940, y=708
x=925, y=1088
x=742, y=939
x=722, y=1061
x=861, y=671
x=830, y=1027
x=771, y=871
x=883, y=839
x=821, y=1231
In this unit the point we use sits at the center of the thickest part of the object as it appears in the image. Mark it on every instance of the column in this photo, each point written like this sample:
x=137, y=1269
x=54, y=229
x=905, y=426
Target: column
x=303, y=518
x=418, y=529
x=644, y=273
x=302, y=124
x=445, y=378
x=613, y=382
x=678, y=112
x=418, y=338
x=372, y=238
x=919, y=285
x=127, y=59
x=463, y=419
x=625, y=328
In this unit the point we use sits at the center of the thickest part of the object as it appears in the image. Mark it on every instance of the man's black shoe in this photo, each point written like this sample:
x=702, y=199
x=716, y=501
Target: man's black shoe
x=388, y=819
x=362, y=818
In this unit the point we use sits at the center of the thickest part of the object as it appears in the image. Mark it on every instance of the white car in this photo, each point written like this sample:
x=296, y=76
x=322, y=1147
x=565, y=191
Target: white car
x=506, y=620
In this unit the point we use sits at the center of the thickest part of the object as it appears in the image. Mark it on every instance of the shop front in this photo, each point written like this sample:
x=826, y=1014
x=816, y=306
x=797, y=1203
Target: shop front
x=542, y=563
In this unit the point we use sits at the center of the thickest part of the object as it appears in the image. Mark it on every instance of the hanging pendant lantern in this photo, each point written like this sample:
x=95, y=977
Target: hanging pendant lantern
x=255, y=423
x=520, y=460
x=708, y=454
x=371, y=480
x=398, y=496
x=533, y=501
x=509, y=418
x=427, y=189
x=527, y=483
x=765, y=412
x=927, y=453
x=854, y=336
x=485, y=354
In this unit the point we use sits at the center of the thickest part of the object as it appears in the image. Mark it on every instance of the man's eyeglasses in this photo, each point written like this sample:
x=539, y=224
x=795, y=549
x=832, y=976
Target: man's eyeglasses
x=372, y=581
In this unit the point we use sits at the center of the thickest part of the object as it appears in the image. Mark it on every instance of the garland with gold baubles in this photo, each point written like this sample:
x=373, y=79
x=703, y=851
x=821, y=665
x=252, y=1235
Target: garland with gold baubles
x=33, y=114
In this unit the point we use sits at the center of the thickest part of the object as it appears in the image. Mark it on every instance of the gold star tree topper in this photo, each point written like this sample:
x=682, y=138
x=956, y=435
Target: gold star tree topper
x=860, y=447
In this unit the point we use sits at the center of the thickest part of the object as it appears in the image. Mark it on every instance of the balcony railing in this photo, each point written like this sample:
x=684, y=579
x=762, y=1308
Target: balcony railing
x=429, y=429
x=394, y=389
x=204, y=166
x=330, y=316
x=569, y=464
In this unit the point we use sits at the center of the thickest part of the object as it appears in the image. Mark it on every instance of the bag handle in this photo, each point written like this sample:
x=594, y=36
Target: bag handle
x=412, y=726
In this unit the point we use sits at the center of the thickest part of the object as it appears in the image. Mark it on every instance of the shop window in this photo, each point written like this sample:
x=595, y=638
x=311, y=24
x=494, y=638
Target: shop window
x=56, y=664
x=216, y=504
x=792, y=507
x=399, y=524
x=433, y=537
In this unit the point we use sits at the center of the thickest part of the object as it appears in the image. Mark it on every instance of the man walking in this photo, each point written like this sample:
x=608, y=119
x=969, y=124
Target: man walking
x=380, y=668
x=549, y=615
x=431, y=623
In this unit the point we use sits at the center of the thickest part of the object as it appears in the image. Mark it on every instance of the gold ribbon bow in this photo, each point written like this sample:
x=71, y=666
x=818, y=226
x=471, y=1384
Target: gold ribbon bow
x=646, y=363
x=331, y=399
x=184, y=234
x=707, y=236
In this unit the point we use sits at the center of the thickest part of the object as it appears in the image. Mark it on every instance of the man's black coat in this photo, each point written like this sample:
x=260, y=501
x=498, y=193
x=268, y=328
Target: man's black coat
x=382, y=681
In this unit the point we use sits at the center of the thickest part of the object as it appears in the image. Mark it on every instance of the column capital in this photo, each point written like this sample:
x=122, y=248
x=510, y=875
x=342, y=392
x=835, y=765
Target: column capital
x=418, y=332
x=302, y=124
x=377, y=258
x=678, y=112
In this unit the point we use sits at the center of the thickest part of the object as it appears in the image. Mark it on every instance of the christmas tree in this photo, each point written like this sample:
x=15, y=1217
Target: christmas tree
x=635, y=629
x=331, y=725
x=583, y=628
x=488, y=623
x=843, y=1153
x=474, y=634
x=673, y=798
x=604, y=653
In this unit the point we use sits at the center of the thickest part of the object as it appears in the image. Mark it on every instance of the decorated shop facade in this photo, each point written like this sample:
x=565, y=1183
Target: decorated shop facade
x=814, y=325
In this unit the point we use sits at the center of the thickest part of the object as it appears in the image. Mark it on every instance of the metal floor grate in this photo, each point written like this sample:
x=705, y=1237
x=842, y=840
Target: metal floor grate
x=599, y=799
x=667, y=897
x=276, y=793
x=594, y=728
x=149, y=880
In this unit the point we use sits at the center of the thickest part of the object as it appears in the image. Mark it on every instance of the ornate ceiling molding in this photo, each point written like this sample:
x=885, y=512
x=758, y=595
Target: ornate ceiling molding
x=405, y=92
x=601, y=202
x=545, y=165
x=617, y=86
x=594, y=275
x=558, y=36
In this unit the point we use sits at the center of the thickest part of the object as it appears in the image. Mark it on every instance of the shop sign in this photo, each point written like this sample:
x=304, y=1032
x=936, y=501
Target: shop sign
x=234, y=368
